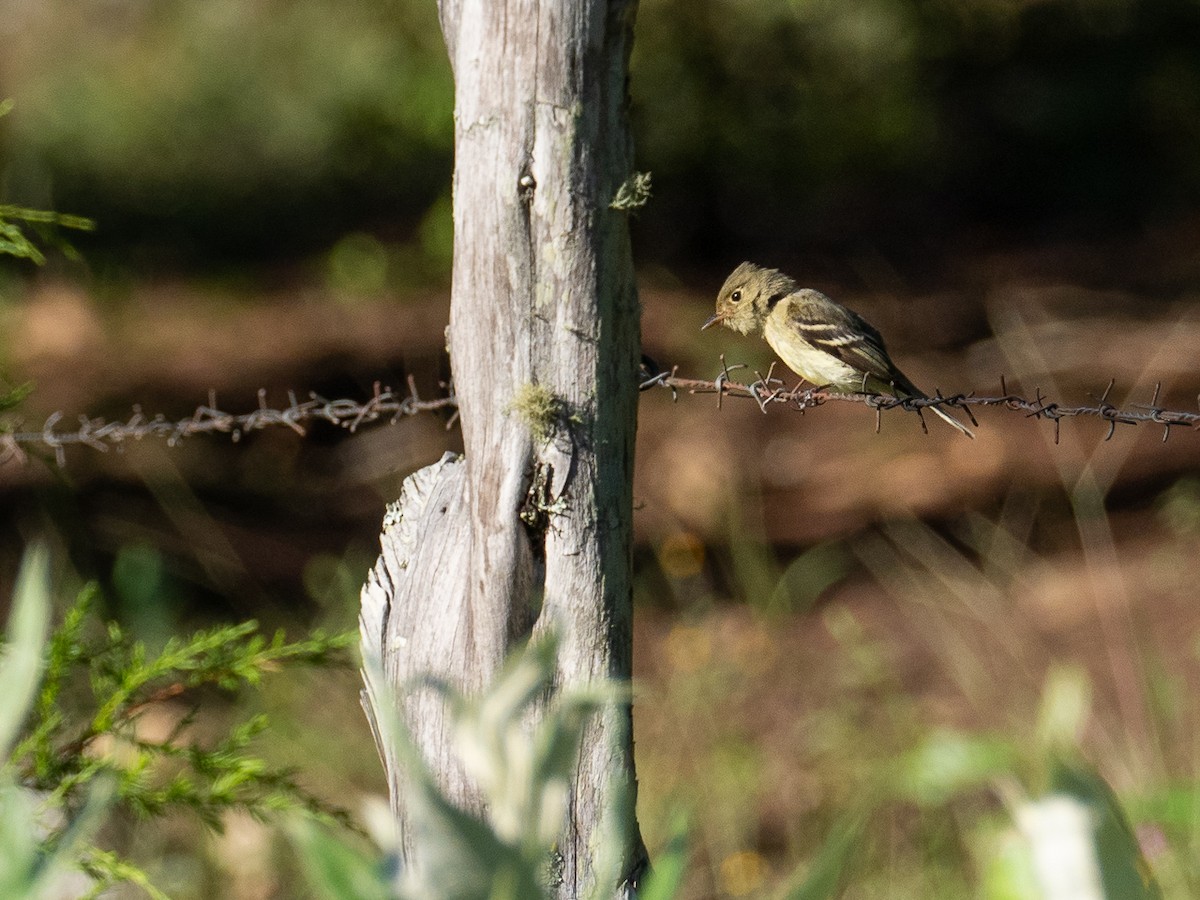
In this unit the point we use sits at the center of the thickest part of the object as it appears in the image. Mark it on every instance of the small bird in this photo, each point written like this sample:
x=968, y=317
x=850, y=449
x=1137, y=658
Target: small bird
x=820, y=340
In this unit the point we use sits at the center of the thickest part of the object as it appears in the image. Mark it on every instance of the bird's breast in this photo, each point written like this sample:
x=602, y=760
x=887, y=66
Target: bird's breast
x=810, y=363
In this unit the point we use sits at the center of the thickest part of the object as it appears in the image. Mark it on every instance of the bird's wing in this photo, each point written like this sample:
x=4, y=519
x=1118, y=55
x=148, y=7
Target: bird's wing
x=846, y=336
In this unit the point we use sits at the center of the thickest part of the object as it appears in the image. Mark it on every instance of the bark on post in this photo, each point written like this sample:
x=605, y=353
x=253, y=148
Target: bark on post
x=532, y=528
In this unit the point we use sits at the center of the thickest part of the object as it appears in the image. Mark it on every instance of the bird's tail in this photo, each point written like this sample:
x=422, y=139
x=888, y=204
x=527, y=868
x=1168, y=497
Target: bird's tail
x=901, y=386
x=941, y=413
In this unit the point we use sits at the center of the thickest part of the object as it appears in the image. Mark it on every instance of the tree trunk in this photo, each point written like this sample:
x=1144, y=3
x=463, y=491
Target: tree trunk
x=533, y=527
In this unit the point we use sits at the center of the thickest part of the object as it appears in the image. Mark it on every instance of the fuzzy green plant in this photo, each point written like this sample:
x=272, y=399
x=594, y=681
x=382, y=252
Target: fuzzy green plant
x=39, y=851
x=17, y=221
x=81, y=699
x=524, y=772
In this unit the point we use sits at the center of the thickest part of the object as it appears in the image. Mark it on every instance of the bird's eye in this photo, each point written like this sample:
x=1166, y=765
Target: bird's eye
x=735, y=296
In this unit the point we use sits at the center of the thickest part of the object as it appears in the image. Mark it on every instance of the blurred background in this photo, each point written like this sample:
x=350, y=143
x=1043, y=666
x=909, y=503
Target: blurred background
x=831, y=622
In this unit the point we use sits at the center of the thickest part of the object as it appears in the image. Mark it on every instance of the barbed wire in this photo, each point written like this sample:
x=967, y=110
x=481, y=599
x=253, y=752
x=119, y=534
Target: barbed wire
x=390, y=405
x=770, y=390
x=101, y=435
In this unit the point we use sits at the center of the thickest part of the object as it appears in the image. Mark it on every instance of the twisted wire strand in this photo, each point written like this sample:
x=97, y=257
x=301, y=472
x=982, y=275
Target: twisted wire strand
x=389, y=405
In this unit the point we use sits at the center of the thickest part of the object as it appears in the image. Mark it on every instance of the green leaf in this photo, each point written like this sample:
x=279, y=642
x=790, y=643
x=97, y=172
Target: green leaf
x=460, y=857
x=22, y=663
x=33, y=865
x=829, y=870
x=949, y=762
x=13, y=397
x=1065, y=708
x=18, y=844
x=335, y=870
x=666, y=877
x=1124, y=871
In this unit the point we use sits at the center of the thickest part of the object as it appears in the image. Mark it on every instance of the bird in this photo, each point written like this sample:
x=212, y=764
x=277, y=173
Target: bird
x=822, y=341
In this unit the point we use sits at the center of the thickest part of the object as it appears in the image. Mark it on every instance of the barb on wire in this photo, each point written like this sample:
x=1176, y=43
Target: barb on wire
x=764, y=392
x=384, y=404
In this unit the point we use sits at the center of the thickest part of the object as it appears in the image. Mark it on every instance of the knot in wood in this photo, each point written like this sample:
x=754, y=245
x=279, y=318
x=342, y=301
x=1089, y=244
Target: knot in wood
x=526, y=184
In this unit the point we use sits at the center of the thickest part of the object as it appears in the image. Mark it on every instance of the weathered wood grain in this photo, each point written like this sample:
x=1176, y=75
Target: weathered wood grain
x=532, y=529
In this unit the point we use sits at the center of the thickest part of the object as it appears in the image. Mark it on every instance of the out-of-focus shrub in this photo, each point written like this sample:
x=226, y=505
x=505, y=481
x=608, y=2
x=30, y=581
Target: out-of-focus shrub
x=776, y=125
x=237, y=127
x=259, y=127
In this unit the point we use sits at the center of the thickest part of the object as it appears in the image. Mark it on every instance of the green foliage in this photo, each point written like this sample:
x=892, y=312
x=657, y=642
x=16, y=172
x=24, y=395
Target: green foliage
x=15, y=242
x=670, y=866
x=265, y=123
x=781, y=124
x=896, y=797
x=13, y=397
x=1179, y=506
x=1123, y=870
x=831, y=869
x=336, y=869
x=524, y=774
x=125, y=679
x=13, y=238
x=36, y=856
x=39, y=857
x=83, y=746
x=949, y=764
x=269, y=125
x=108, y=868
x=22, y=660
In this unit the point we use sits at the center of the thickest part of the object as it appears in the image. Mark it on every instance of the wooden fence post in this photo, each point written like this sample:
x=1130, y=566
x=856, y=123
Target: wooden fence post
x=532, y=527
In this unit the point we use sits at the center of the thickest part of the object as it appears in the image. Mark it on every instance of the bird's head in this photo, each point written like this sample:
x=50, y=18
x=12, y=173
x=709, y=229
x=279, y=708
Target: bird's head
x=748, y=296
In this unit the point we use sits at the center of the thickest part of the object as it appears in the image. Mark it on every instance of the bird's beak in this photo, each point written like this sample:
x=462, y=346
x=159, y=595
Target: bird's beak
x=715, y=318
